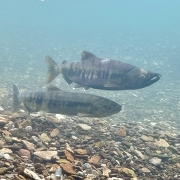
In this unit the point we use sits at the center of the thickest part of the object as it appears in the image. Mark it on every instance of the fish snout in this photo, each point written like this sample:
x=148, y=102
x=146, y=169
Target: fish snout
x=154, y=78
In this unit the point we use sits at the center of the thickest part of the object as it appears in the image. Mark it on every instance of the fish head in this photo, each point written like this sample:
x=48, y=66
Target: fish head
x=139, y=78
x=105, y=107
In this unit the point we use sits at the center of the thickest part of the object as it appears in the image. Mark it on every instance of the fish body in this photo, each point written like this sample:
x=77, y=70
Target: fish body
x=67, y=103
x=101, y=73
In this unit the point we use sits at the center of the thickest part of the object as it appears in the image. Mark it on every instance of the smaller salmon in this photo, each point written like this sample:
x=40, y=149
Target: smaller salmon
x=67, y=103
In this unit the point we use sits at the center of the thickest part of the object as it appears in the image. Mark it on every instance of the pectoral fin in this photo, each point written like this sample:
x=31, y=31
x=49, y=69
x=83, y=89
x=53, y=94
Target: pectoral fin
x=111, y=84
x=84, y=115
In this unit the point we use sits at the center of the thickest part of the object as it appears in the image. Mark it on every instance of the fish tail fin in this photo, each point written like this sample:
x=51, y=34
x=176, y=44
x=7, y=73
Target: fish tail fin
x=53, y=69
x=15, y=105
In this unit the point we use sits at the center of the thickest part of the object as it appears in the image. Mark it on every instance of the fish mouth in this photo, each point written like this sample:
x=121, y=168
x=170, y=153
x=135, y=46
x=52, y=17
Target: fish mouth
x=153, y=79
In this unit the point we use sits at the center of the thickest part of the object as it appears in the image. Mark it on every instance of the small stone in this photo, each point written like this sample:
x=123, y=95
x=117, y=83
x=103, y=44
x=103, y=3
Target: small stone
x=69, y=148
x=39, y=168
x=54, y=132
x=170, y=136
x=152, y=145
x=59, y=116
x=106, y=171
x=81, y=151
x=26, y=123
x=127, y=171
x=44, y=137
x=155, y=161
x=7, y=156
x=85, y=127
x=46, y=155
x=28, y=129
x=176, y=159
x=69, y=156
x=68, y=168
x=86, y=166
x=3, y=170
x=30, y=146
x=62, y=161
x=161, y=143
x=24, y=152
x=99, y=144
x=3, y=121
x=121, y=132
x=139, y=154
x=31, y=174
x=94, y=160
x=18, y=132
x=144, y=170
x=147, y=138
x=5, y=150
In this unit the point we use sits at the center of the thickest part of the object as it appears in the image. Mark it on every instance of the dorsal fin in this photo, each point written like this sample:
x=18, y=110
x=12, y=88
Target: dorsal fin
x=86, y=55
x=64, y=62
x=53, y=88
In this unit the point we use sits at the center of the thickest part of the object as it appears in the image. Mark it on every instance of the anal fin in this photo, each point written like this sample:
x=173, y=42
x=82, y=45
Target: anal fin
x=67, y=79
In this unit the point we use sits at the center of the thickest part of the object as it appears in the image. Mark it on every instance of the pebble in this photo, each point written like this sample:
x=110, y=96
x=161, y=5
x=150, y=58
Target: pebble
x=29, y=145
x=28, y=129
x=7, y=156
x=147, y=138
x=45, y=138
x=85, y=127
x=86, y=166
x=94, y=160
x=121, y=132
x=45, y=155
x=155, y=161
x=54, y=132
x=161, y=143
x=144, y=170
x=24, y=152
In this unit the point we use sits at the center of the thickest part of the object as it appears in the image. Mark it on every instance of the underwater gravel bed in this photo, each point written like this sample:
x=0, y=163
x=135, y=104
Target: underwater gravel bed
x=35, y=146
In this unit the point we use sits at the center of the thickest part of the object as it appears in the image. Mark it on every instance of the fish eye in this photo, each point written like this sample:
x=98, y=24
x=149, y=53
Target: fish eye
x=142, y=76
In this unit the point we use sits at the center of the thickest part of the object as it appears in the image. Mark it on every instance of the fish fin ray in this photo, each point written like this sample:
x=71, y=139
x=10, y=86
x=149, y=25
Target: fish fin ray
x=15, y=105
x=86, y=55
x=52, y=72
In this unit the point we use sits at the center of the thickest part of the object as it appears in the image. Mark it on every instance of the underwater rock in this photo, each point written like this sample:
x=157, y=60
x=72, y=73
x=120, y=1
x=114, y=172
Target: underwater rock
x=45, y=138
x=147, y=138
x=94, y=160
x=54, y=132
x=155, y=161
x=68, y=168
x=45, y=155
x=84, y=127
x=30, y=146
x=161, y=143
x=121, y=132
x=69, y=156
x=24, y=152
